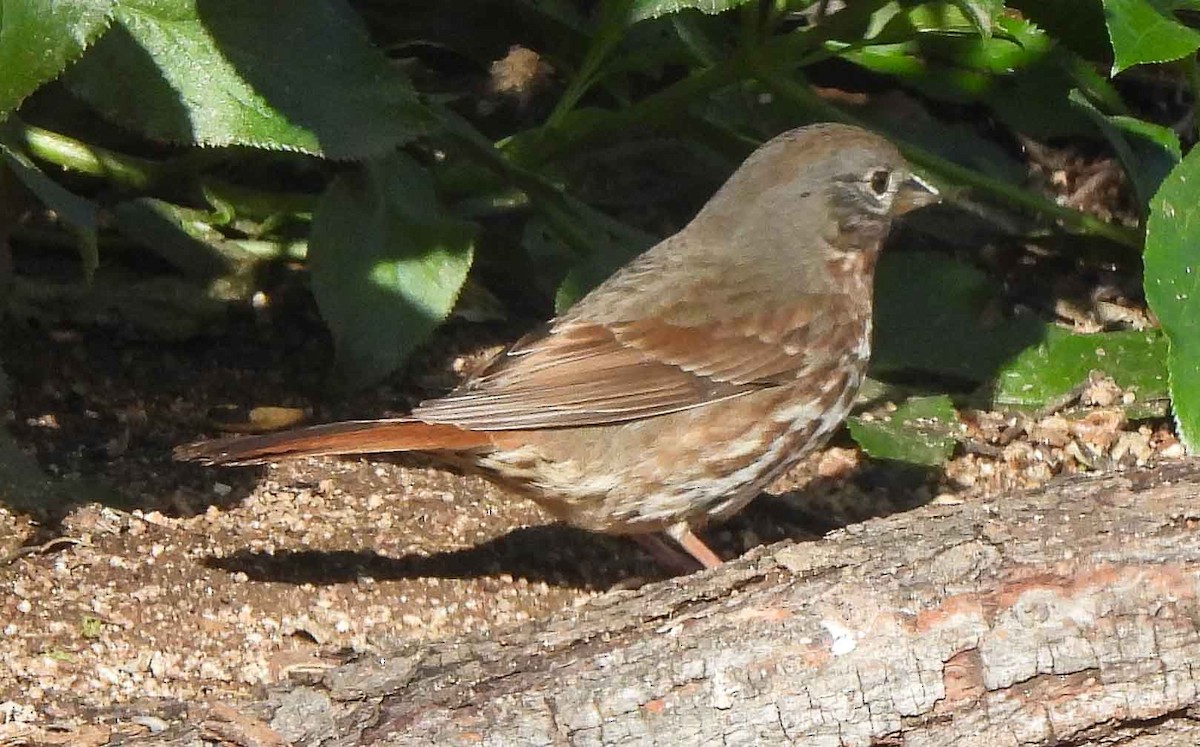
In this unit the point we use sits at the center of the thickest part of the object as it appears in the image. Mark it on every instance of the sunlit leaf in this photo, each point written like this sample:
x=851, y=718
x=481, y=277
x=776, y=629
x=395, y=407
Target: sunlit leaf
x=298, y=75
x=1040, y=374
x=642, y=9
x=1172, y=284
x=1019, y=72
x=387, y=261
x=1145, y=31
x=982, y=13
x=922, y=430
x=39, y=39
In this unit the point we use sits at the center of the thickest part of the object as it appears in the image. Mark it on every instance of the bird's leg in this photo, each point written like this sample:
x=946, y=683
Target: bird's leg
x=666, y=554
x=682, y=533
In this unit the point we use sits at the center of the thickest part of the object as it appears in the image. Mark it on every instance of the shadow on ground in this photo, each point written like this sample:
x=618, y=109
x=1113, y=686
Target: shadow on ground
x=561, y=555
x=554, y=553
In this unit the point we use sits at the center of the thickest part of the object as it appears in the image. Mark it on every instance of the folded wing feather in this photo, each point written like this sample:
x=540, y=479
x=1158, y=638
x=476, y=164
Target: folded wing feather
x=578, y=374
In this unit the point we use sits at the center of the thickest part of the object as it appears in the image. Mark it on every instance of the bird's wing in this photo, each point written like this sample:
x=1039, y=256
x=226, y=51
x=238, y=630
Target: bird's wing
x=578, y=374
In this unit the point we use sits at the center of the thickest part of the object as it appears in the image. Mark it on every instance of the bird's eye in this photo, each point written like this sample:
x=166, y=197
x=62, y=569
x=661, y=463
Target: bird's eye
x=879, y=180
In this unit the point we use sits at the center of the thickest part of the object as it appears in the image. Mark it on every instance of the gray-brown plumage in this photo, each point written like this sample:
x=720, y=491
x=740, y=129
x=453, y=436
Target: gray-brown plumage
x=675, y=391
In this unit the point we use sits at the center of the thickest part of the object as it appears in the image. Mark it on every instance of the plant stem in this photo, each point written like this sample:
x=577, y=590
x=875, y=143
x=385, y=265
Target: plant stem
x=533, y=148
x=613, y=14
x=74, y=155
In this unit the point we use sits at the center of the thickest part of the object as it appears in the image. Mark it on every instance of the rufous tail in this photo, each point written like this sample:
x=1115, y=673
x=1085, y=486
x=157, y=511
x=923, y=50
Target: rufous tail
x=349, y=437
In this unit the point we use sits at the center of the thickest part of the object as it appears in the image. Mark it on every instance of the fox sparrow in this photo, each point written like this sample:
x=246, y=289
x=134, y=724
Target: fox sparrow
x=675, y=391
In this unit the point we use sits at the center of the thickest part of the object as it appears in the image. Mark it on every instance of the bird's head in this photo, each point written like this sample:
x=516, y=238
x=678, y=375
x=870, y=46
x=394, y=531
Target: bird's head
x=815, y=198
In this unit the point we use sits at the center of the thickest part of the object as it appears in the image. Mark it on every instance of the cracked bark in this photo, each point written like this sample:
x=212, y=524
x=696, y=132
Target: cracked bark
x=1063, y=616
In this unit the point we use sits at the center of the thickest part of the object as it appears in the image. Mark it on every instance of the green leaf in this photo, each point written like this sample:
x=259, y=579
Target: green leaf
x=39, y=39
x=903, y=24
x=937, y=315
x=1162, y=138
x=548, y=252
x=1172, y=284
x=1077, y=24
x=1145, y=31
x=1018, y=72
x=387, y=262
x=77, y=213
x=298, y=75
x=1135, y=360
x=922, y=430
x=640, y=10
x=981, y=13
x=590, y=273
x=649, y=47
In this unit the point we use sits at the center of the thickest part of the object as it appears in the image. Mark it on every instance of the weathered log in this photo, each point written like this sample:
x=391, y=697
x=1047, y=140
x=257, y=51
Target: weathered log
x=1066, y=615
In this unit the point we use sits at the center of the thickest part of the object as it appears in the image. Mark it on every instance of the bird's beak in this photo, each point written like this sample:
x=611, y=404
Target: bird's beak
x=914, y=192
